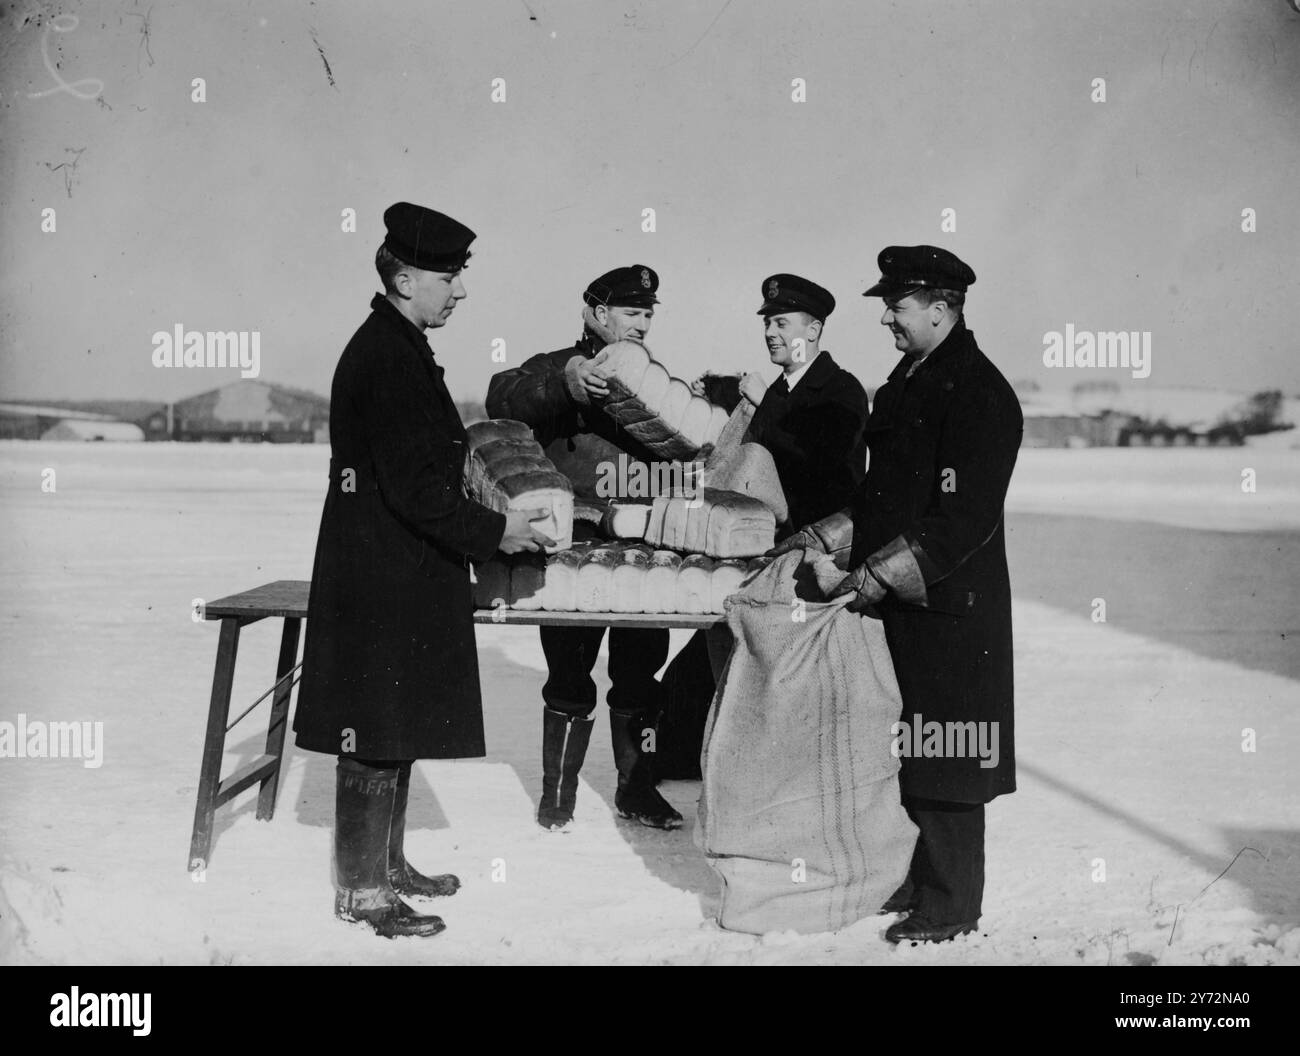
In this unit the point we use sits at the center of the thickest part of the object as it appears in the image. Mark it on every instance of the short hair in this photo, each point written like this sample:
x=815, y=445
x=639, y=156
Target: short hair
x=928, y=295
x=808, y=317
x=388, y=266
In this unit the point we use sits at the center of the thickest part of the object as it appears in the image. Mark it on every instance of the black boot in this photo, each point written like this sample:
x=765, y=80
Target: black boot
x=919, y=928
x=363, y=813
x=637, y=798
x=404, y=879
x=564, y=747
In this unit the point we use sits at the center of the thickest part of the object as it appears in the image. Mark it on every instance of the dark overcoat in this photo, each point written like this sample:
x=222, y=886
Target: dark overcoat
x=814, y=433
x=943, y=444
x=390, y=652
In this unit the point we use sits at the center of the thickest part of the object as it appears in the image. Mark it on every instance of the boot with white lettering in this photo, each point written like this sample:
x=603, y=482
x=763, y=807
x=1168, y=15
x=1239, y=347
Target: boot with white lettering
x=637, y=798
x=363, y=814
x=407, y=881
x=564, y=747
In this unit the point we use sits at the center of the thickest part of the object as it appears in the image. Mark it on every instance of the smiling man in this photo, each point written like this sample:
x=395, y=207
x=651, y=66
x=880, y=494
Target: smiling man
x=557, y=393
x=811, y=418
x=928, y=557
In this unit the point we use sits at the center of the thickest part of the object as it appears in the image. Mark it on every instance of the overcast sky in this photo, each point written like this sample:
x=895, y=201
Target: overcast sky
x=225, y=215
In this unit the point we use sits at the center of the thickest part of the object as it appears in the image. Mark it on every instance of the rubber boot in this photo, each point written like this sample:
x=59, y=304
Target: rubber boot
x=564, y=747
x=363, y=813
x=637, y=798
x=405, y=880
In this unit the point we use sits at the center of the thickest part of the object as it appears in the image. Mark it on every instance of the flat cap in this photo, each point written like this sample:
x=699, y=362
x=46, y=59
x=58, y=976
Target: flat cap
x=426, y=239
x=907, y=268
x=630, y=287
x=790, y=293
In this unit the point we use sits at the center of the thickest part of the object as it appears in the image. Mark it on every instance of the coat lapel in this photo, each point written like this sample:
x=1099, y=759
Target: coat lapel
x=819, y=372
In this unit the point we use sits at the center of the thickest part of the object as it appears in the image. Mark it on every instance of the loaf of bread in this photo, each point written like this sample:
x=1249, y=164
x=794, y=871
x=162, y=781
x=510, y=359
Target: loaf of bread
x=495, y=451
x=740, y=465
x=507, y=470
x=725, y=581
x=660, y=591
x=717, y=523
x=595, y=591
x=479, y=433
x=657, y=410
x=628, y=584
x=626, y=519
x=692, y=594
x=560, y=591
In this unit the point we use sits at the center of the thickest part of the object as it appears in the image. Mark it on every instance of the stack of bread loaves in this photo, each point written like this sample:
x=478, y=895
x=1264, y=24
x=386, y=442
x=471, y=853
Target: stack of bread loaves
x=656, y=409
x=505, y=469
x=609, y=577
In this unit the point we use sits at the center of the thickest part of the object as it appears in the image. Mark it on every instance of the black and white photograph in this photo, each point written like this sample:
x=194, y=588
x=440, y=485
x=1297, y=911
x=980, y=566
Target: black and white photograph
x=614, y=482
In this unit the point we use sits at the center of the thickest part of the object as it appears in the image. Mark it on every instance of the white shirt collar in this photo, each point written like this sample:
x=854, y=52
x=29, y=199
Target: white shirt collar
x=793, y=377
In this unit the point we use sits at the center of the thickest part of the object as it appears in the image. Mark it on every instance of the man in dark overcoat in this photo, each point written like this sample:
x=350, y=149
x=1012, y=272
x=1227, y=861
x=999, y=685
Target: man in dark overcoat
x=811, y=418
x=558, y=394
x=928, y=556
x=390, y=668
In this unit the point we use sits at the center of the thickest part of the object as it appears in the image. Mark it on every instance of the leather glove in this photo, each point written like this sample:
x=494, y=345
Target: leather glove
x=867, y=590
x=831, y=535
x=804, y=539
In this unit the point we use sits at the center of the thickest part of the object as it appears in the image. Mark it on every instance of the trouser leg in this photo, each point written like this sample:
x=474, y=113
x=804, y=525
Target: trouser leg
x=635, y=703
x=688, y=686
x=635, y=655
x=948, y=863
x=570, y=657
x=720, y=641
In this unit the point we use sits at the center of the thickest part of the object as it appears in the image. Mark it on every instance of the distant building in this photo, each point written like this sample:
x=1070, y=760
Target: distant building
x=250, y=410
x=1071, y=430
x=33, y=421
x=80, y=429
x=1051, y=420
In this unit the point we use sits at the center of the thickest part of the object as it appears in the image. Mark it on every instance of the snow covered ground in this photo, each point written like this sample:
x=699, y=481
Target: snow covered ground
x=1130, y=744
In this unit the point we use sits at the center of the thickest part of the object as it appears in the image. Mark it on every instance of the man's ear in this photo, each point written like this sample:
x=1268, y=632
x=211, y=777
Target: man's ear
x=814, y=329
x=601, y=314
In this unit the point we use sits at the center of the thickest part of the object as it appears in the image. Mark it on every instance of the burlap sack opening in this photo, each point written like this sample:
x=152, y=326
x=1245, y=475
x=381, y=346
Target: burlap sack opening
x=799, y=813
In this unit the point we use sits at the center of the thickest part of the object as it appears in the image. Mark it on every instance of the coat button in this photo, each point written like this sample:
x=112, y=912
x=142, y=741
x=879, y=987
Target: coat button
x=947, y=386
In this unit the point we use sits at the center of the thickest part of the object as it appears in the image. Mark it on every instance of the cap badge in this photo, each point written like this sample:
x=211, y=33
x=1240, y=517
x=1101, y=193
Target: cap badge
x=645, y=278
x=773, y=290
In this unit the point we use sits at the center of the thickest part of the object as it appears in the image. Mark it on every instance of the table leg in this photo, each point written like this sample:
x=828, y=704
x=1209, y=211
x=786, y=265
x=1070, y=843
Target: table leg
x=278, y=724
x=214, y=743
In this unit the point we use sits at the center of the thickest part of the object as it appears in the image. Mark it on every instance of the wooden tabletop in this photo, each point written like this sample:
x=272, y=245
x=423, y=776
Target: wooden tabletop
x=288, y=597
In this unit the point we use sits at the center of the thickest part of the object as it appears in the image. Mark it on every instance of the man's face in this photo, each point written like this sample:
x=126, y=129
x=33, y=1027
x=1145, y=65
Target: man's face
x=627, y=323
x=912, y=324
x=434, y=294
x=788, y=337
